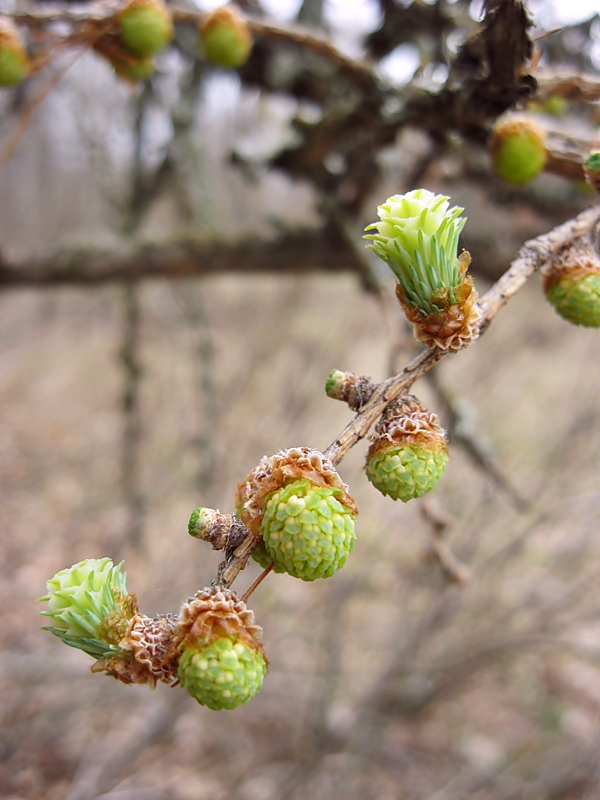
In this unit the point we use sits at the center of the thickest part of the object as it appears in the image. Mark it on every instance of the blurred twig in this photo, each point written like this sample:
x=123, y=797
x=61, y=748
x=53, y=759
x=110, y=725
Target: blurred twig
x=452, y=568
x=461, y=430
x=132, y=433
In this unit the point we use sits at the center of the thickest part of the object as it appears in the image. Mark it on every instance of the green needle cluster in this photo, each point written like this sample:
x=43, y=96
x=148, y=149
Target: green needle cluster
x=417, y=236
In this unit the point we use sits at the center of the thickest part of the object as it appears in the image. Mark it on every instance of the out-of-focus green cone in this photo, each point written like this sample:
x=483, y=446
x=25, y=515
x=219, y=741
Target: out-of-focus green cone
x=417, y=236
x=145, y=27
x=134, y=70
x=226, y=38
x=591, y=168
x=518, y=149
x=300, y=512
x=222, y=664
x=14, y=61
x=576, y=297
x=90, y=607
x=409, y=454
x=307, y=531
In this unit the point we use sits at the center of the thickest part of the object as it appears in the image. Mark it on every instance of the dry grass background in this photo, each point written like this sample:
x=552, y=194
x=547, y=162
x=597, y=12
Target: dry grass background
x=386, y=681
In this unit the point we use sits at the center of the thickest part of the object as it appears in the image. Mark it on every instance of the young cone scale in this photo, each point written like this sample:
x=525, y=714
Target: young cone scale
x=145, y=27
x=226, y=38
x=518, y=149
x=14, y=61
x=572, y=283
x=222, y=663
x=417, y=236
x=300, y=511
x=409, y=454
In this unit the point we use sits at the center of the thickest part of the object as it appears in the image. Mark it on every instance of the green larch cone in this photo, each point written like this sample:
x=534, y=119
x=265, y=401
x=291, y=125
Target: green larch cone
x=145, y=27
x=518, y=149
x=300, y=512
x=576, y=297
x=409, y=454
x=307, y=531
x=90, y=607
x=14, y=61
x=417, y=236
x=222, y=664
x=226, y=38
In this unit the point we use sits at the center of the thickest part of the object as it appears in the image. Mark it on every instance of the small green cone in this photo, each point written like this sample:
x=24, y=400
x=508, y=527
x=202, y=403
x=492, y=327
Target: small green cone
x=224, y=674
x=409, y=455
x=222, y=663
x=576, y=297
x=14, y=61
x=145, y=27
x=90, y=607
x=226, y=38
x=307, y=532
x=404, y=473
x=518, y=149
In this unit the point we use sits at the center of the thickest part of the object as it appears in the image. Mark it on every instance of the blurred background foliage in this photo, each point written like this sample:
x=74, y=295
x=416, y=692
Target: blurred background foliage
x=128, y=399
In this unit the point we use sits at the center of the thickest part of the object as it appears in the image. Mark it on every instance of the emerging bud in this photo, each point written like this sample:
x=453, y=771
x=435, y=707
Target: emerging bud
x=417, y=236
x=349, y=388
x=298, y=506
x=145, y=27
x=518, y=149
x=226, y=38
x=211, y=526
x=409, y=454
x=222, y=664
x=14, y=61
x=90, y=606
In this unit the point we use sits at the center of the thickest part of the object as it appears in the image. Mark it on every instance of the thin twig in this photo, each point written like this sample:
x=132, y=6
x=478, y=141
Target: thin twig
x=249, y=592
